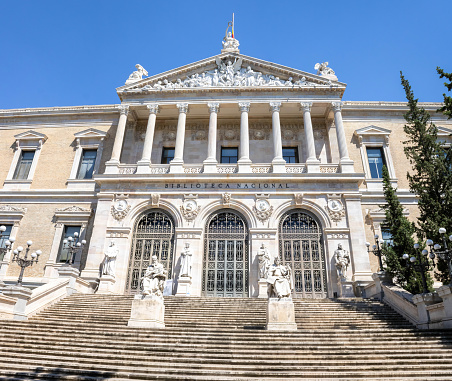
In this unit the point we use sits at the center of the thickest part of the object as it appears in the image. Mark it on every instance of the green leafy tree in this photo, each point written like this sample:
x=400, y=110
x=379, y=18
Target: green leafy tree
x=431, y=177
x=402, y=232
x=447, y=108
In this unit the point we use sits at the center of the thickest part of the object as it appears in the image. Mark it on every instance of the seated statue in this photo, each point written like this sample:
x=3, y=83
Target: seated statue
x=153, y=281
x=137, y=75
x=279, y=278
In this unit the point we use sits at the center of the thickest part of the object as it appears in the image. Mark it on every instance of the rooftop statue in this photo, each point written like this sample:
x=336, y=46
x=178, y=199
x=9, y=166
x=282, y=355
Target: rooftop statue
x=137, y=75
x=230, y=44
x=325, y=71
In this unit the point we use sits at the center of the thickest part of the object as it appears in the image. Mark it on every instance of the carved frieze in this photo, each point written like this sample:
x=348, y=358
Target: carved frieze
x=12, y=208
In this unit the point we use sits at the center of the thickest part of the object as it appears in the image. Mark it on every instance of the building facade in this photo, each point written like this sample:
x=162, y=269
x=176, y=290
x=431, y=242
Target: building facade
x=229, y=156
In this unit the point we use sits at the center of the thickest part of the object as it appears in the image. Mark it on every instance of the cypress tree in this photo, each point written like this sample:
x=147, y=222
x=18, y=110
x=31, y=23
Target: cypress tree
x=431, y=176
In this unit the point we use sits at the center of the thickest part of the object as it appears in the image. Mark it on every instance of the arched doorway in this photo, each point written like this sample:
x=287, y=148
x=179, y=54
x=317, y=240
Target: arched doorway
x=153, y=234
x=301, y=248
x=226, y=262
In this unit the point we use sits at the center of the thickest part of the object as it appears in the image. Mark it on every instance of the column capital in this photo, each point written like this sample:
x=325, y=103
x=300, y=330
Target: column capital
x=183, y=107
x=336, y=106
x=244, y=106
x=275, y=106
x=153, y=108
x=305, y=106
x=213, y=107
x=123, y=109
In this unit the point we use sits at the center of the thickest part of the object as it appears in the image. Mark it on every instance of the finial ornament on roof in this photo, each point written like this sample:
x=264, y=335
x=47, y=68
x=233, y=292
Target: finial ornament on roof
x=230, y=44
x=137, y=75
x=325, y=71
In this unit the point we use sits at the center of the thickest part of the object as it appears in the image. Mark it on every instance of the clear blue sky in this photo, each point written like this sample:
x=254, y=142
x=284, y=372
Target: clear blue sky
x=63, y=53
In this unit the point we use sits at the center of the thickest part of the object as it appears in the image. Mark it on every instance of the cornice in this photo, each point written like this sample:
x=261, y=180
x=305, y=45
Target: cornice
x=44, y=111
x=379, y=105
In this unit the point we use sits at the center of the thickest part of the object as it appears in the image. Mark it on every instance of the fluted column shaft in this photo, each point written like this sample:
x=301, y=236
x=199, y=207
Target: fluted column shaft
x=180, y=134
x=212, y=139
x=244, y=132
x=149, y=138
x=276, y=128
x=309, y=133
x=120, y=132
x=341, y=140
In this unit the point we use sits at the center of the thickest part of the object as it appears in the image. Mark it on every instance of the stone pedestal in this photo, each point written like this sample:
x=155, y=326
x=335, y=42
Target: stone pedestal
x=345, y=288
x=71, y=273
x=21, y=296
x=379, y=278
x=422, y=301
x=147, y=312
x=106, y=284
x=263, y=288
x=281, y=315
x=184, y=286
x=143, y=166
x=445, y=293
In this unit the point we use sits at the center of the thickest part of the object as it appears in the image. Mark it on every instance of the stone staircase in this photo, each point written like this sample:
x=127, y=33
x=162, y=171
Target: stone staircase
x=85, y=337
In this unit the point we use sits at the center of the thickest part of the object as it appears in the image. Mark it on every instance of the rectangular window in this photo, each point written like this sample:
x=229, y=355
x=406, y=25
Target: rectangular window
x=167, y=155
x=376, y=160
x=290, y=155
x=386, y=236
x=5, y=236
x=63, y=253
x=229, y=155
x=24, y=165
x=87, y=164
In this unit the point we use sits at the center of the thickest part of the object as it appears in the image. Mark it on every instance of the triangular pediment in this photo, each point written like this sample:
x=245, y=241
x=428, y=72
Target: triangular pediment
x=230, y=71
x=372, y=131
x=443, y=131
x=31, y=135
x=90, y=133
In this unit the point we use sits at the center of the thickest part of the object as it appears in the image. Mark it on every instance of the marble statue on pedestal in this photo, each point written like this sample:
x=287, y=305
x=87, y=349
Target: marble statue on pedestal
x=185, y=261
x=230, y=42
x=264, y=261
x=279, y=278
x=342, y=258
x=153, y=281
x=109, y=262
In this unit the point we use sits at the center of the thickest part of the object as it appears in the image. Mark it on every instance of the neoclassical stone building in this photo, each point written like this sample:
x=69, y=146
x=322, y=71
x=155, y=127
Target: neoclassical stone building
x=225, y=154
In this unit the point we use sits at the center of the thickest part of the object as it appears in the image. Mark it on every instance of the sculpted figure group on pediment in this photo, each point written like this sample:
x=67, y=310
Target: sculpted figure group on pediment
x=229, y=74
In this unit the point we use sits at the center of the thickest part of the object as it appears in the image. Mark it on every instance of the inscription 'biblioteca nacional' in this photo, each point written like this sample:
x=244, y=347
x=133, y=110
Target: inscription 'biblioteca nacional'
x=230, y=186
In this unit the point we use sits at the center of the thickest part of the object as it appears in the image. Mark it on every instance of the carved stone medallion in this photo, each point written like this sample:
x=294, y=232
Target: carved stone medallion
x=190, y=208
x=120, y=209
x=335, y=209
x=262, y=208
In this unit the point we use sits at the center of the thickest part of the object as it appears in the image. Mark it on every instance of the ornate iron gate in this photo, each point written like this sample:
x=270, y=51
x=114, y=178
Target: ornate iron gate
x=153, y=235
x=226, y=263
x=301, y=248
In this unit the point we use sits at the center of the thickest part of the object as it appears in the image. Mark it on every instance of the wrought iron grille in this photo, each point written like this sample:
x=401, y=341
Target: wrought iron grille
x=226, y=263
x=301, y=248
x=153, y=235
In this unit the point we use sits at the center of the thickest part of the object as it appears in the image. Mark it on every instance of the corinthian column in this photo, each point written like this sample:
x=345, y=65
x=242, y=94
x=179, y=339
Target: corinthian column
x=278, y=163
x=143, y=164
x=244, y=161
x=112, y=164
x=345, y=162
x=210, y=164
x=176, y=165
x=312, y=164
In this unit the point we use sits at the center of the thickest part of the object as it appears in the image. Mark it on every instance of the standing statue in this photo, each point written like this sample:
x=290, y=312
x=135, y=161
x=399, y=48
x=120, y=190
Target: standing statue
x=264, y=261
x=279, y=277
x=153, y=281
x=137, y=75
x=109, y=262
x=342, y=258
x=185, y=261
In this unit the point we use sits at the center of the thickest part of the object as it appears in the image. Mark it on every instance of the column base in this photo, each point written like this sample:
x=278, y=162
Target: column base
x=184, y=286
x=111, y=167
x=143, y=166
x=244, y=166
x=106, y=284
x=281, y=315
x=147, y=312
x=176, y=166
x=347, y=166
x=263, y=288
x=313, y=166
x=210, y=166
x=279, y=166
